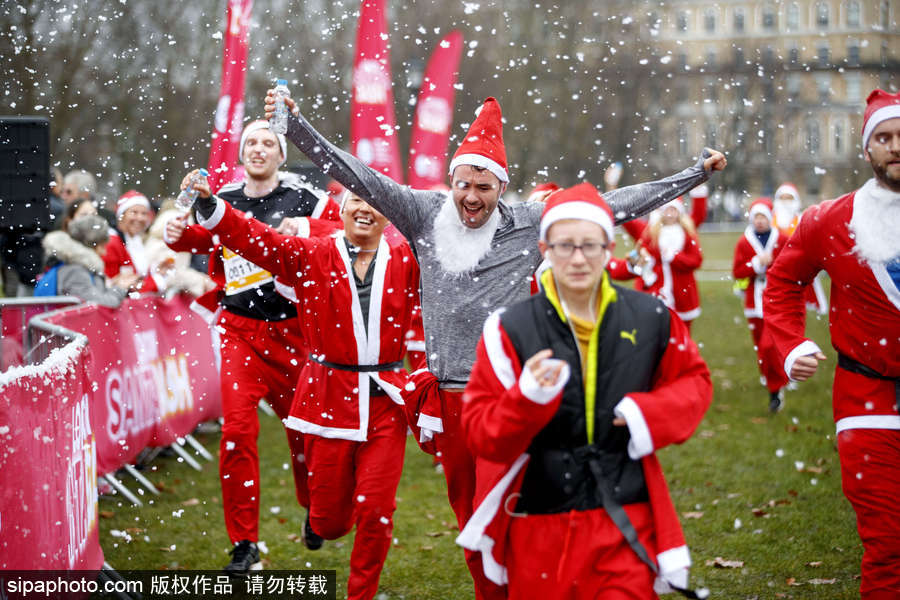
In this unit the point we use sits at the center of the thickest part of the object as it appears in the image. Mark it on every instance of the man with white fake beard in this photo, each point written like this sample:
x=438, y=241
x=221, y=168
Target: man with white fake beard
x=476, y=253
x=856, y=240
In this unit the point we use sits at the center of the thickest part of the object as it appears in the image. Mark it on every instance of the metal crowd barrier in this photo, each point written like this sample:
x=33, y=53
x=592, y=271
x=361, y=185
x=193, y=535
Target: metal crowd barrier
x=15, y=314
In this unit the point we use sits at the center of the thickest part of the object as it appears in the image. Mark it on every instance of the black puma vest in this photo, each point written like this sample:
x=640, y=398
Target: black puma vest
x=633, y=336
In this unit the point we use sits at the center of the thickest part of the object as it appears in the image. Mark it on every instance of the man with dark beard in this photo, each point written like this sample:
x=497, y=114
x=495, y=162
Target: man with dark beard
x=476, y=253
x=856, y=240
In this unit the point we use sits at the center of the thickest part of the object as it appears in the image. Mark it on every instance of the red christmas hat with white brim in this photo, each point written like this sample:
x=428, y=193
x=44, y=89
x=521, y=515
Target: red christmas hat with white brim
x=582, y=202
x=880, y=106
x=129, y=199
x=483, y=145
x=761, y=206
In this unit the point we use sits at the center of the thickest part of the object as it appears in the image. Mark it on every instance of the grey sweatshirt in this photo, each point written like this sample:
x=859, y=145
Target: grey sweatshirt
x=455, y=306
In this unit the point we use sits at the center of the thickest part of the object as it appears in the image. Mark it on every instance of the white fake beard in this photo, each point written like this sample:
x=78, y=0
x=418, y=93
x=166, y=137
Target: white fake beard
x=671, y=239
x=459, y=248
x=875, y=223
x=783, y=212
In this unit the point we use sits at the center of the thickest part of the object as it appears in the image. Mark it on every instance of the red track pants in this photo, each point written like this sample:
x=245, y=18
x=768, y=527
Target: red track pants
x=766, y=356
x=870, y=464
x=459, y=470
x=259, y=360
x=356, y=483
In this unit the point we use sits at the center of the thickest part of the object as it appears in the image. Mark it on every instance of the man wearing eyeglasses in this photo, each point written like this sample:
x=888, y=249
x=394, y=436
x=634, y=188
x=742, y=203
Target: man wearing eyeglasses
x=572, y=392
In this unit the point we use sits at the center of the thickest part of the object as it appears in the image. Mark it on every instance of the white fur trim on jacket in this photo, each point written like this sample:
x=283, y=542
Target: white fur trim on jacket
x=537, y=393
x=493, y=344
x=804, y=349
x=641, y=443
x=215, y=218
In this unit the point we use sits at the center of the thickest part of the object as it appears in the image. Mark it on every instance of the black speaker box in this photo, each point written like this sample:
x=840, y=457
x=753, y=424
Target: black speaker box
x=24, y=173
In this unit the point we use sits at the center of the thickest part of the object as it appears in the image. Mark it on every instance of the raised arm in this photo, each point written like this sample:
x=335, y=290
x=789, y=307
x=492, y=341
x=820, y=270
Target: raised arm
x=409, y=210
x=630, y=202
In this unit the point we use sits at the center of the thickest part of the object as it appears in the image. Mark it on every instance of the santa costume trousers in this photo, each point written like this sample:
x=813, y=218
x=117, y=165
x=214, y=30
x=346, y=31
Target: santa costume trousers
x=260, y=359
x=355, y=483
x=766, y=356
x=870, y=476
x=459, y=471
x=579, y=555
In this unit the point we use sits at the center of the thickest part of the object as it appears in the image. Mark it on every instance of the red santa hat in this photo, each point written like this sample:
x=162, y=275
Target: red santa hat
x=787, y=189
x=256, y=126
x=483, y=144
x=540, y=190
x=582, y=201
x=129, y=199
x=880, y=106
x=761, y=206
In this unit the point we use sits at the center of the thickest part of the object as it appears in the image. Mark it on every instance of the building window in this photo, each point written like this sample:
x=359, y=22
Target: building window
x=823, y=55
x=885, y=15
x=823, y=87
x=739, y=56
x=768, y=55
x=709, y=20
x=854, y=87
x=682, y=60
x=885, y=53
x=838, y=139
x=853, y=52
x=793, y=16
x=711, y=133
x=812, y=137
x=822, y=15
x=653, y=23
x=710, y=58
x=653, y=138
x=769, y=18
x=739, y=20
x=853, y=14
x=681, y=22
x=794, y=55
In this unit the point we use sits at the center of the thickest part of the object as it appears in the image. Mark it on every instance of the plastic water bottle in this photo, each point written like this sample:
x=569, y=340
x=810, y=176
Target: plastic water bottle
x=280, y=120
x=185, y=200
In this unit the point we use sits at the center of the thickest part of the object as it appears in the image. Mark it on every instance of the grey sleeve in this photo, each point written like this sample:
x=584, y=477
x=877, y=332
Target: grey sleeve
x=409, y=210
x=631, y=202
x=76, y=281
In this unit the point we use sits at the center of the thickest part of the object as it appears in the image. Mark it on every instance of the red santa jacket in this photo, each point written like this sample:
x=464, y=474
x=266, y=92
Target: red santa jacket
x=117, y=256
x=504, y=409
x=747, y=266
x=329, y=401
x=864, y=319
x=672, y=274
x=198, y=240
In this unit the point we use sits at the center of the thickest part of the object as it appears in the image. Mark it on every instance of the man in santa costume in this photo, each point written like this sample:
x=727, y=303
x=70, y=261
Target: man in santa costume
x=475, y=252
x=355, y=295
x=856, y=240
x=261, y=346
x=571, y=394
x=754, y=254
x=787, y=210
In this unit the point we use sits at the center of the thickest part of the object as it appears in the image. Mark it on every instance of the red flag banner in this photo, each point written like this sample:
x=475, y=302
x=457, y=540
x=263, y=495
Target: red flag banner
x=372, y=122
x=434, y=115
x=48, y=466
x=226, y=137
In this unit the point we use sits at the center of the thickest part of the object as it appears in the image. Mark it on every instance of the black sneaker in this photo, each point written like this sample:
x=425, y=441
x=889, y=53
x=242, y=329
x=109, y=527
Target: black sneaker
x=311, y=539
x=776, y=401
x=244, y=558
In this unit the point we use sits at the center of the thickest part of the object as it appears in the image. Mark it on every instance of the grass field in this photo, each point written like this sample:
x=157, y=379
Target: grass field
x=759, y=495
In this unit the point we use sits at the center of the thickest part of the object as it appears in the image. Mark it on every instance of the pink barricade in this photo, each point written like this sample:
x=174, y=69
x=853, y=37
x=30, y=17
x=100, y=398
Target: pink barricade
x=152, y=372
x=48, y=472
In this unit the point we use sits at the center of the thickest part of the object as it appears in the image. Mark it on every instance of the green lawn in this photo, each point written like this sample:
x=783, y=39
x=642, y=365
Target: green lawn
x=750, y=487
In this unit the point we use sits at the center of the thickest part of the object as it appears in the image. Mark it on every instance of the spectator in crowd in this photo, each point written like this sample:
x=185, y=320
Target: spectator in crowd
x=565, y=423
x=171, y=271
x=74, y=258
x=754, y=254
x=78, y=184
x=57, y=206
x=126, y=252
x=856, y=240
x=262, y=350
x=78, y=208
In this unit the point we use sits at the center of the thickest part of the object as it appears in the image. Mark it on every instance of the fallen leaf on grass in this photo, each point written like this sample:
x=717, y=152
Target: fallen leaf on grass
x=435, y=533
x=823, y=581
x=706, y=433
x=721, y=563
x=191, y=502
x=692, y=515
x=815, y=563
x=427, y=547
x=759, y=512
x=759, y=420
x=107, y=514
x=134, y=530
x=293, y=537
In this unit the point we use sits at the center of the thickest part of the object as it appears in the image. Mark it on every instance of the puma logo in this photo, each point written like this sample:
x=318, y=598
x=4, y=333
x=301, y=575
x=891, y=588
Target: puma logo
x=629, y=336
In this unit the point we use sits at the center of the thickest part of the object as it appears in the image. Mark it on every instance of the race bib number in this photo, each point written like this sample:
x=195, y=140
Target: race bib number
x=241, y=274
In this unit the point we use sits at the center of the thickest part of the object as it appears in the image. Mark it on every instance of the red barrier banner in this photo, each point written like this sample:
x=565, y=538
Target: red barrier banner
x=153, y=374
x=434, y=115
x=226, y=137
x=373, y=137
x=48, y=466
